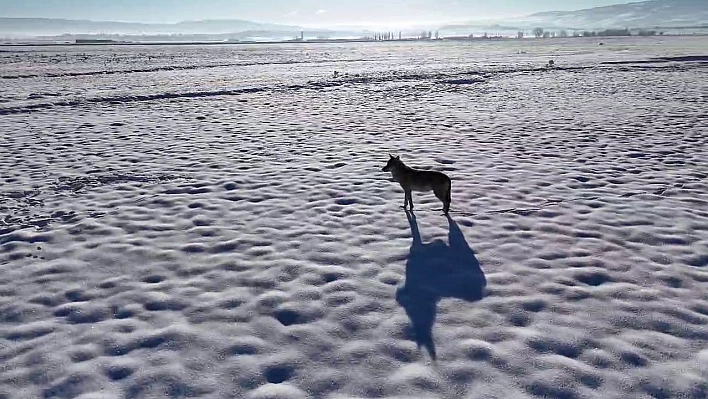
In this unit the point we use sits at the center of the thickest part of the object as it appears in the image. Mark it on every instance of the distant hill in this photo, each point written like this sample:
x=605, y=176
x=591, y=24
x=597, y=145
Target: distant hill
x=27, y=27
x=645, y=14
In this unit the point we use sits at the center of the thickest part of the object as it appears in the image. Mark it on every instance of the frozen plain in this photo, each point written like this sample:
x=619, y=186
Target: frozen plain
x=213, y=222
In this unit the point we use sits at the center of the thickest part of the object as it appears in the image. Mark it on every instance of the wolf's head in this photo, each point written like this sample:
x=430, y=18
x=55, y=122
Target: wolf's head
x=392, y=163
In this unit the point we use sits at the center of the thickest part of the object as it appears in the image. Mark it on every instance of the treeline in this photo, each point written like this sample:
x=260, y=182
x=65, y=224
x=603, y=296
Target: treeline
x=386, y=36
x=540, y=32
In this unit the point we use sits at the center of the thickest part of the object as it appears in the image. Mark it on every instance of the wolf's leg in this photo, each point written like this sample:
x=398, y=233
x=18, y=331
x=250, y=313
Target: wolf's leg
x=440, y=194
x=443, y=197
x=409, y=197
x=447, y=200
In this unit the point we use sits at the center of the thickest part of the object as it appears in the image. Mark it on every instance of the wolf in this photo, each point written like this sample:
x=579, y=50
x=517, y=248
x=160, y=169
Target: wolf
x=419, y=180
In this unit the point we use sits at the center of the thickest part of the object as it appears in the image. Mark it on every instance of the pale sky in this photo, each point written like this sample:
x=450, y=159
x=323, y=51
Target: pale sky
x=303, y=12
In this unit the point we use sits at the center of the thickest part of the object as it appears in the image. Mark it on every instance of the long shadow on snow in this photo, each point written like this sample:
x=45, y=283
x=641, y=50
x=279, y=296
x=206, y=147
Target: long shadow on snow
x=435, y=271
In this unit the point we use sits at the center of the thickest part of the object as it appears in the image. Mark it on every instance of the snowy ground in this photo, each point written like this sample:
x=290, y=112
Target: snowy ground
x=213, y=222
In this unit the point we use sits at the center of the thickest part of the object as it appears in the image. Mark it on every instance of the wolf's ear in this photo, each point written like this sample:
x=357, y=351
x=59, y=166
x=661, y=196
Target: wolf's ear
x=391, y=155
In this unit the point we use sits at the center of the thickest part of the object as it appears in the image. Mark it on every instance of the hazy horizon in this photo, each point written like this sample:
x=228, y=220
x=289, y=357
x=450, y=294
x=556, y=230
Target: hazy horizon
x=319, y=13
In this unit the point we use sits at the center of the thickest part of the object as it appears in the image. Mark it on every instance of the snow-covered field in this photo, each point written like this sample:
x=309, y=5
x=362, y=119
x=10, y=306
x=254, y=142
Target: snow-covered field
x=213, y=222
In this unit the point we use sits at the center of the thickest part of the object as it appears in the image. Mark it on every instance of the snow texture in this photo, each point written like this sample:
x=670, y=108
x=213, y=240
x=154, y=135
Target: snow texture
x=213, y=221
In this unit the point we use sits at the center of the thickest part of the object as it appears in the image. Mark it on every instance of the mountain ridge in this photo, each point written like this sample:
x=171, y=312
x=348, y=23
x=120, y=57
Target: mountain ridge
x=59, y=26
x=642, y=14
